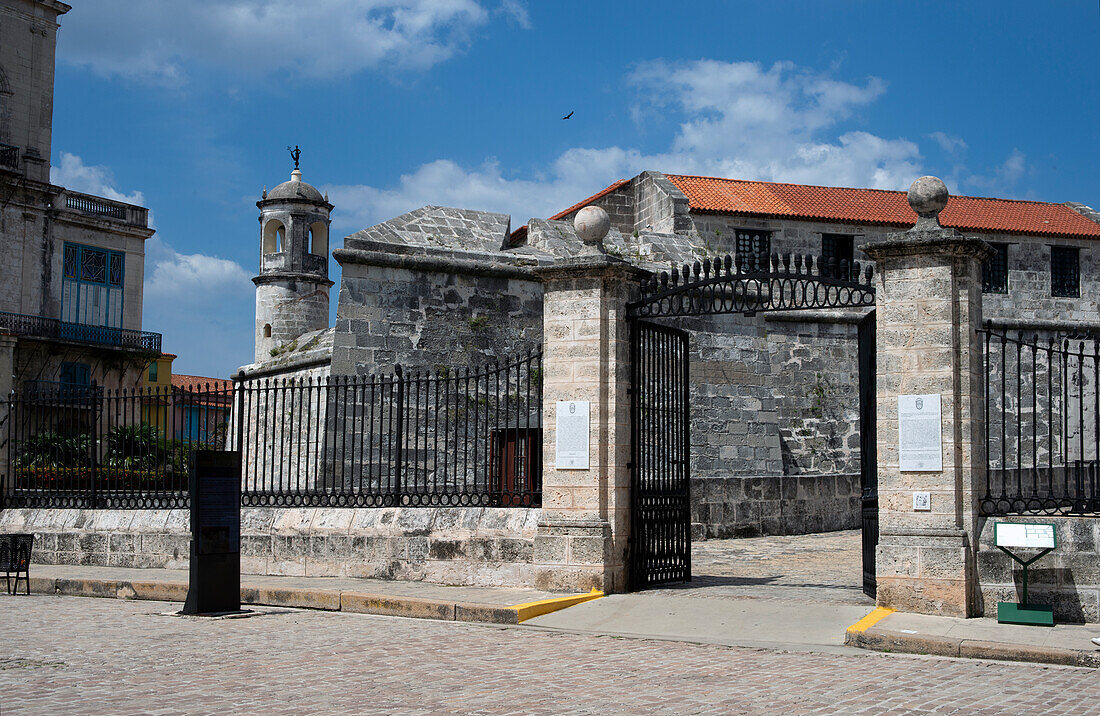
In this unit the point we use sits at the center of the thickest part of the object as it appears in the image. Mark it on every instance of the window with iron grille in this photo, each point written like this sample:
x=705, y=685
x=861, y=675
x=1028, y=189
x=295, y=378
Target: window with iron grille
x=755, y=245
x=836, y=248
x=995, y=270
x=92, y=285
x=1065, y=276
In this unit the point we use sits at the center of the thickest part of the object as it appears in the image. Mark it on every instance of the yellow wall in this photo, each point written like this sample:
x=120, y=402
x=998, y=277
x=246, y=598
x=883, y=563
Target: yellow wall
x=156, y=413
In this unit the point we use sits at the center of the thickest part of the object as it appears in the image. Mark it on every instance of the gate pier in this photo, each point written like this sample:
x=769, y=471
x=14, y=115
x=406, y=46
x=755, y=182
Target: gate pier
x=582, y=534
x=929, y=310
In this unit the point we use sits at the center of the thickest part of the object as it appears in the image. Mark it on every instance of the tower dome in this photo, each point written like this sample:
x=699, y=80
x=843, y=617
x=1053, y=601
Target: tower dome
x=293, y=285
x=296, y=189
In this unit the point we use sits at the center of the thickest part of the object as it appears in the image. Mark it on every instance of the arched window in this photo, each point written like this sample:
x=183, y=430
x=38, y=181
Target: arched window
x=274, y=237
x=318, y=238
x=267, y=330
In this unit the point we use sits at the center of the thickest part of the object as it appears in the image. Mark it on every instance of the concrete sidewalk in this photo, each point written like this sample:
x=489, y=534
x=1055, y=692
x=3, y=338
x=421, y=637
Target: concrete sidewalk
x=982, y=638
x=367, y=596
x=729, y=621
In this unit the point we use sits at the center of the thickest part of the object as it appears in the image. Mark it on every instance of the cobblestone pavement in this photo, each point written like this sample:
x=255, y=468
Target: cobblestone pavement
x=71, y=655
x=825, y=567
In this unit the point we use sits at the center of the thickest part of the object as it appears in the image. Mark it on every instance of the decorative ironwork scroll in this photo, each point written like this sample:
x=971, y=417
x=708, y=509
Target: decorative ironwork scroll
x=736, y=284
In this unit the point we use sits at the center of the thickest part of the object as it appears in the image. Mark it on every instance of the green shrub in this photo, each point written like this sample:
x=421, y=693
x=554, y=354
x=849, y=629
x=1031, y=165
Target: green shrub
x=48, y=450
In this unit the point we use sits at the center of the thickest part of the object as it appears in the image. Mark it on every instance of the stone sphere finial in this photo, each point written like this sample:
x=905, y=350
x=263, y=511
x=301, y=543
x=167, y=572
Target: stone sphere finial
x=592, y=224
x=928, y=197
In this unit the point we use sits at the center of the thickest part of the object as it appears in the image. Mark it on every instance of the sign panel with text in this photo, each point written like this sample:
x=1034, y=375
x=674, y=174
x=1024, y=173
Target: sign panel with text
x=572, y=435
x=920, y=433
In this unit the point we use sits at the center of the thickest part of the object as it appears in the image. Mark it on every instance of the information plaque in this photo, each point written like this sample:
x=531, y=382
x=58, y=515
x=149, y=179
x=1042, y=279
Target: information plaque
x=920, y=433
x=572, y=444
x=215, y=568
x=1021, y=535
x=1025, y=536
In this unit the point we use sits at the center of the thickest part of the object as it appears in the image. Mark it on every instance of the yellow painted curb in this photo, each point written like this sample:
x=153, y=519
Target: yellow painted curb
x=529, y=610
x=877, y=614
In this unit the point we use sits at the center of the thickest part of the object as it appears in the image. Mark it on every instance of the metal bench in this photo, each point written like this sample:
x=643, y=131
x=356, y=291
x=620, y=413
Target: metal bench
x=15, y=558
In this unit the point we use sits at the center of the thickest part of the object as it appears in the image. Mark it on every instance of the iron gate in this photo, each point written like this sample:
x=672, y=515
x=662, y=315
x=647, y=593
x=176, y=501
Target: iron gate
x=660, y=548
x=868, y=451
x=660, y=525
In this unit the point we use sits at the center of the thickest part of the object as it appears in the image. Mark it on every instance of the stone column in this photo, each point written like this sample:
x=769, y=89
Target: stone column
x=582, y=534
x=929, y=308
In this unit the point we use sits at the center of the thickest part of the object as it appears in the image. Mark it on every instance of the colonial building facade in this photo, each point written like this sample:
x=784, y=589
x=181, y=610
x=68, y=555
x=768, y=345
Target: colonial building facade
x=71, y=298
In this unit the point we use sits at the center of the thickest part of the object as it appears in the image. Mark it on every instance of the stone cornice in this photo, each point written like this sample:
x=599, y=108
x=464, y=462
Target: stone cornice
x=939, y=241
x=267, y=278
x=591, y=265
x=313, y=359
x=434, y=264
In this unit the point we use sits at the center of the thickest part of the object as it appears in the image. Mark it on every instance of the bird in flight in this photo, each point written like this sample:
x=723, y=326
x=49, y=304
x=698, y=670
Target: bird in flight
x=568, y=115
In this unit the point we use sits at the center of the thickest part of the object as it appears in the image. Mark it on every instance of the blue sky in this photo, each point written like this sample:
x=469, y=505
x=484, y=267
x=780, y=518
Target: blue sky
x=187, y=107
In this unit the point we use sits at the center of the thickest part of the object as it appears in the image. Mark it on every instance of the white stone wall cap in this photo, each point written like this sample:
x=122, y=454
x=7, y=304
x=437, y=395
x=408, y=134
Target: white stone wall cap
x=501, y=265
x=592, y=264
x=936, y=241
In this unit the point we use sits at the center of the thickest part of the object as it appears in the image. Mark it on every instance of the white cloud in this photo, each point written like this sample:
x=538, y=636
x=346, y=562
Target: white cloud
x=155, y=40
x=736, y=119
x=204, y=307
x=190, y=278
x=517, y=11
x=98, y=180
x=1002, y=181
x=949, y=143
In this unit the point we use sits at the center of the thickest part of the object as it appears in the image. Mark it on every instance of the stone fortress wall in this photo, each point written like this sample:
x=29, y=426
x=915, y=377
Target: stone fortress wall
x=793, y=376
x=774, y=401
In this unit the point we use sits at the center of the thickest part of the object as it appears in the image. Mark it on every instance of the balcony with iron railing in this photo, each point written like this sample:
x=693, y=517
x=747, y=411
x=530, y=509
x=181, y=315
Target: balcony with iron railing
x=9, y=156
x=100, y=208
x=51, y=328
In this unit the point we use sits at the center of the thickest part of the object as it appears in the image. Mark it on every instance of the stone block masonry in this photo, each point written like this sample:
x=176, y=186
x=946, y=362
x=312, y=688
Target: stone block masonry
x=452, y=545
x=429, y=313
x=1067, y=579
x=929, y=310
x=583, y=532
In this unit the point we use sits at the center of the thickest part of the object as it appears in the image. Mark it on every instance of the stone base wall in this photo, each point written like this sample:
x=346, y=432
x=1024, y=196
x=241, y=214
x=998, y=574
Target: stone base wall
x=454, y=545
x=741, y=506
x=1068, y=577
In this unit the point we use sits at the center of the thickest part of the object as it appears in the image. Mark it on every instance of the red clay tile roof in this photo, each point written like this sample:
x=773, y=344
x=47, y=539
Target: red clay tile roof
x=198, y=382
x=589, y=200
x=874, y=206
x=518, y=236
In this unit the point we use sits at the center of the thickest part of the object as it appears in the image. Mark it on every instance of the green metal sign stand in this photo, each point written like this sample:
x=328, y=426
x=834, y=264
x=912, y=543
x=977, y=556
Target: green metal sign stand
x=1025, y=613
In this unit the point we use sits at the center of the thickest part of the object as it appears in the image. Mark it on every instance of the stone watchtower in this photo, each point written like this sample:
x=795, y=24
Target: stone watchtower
x=292, y=288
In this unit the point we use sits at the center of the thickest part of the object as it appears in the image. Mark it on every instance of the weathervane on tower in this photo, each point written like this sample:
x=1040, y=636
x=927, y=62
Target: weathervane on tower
x=295, y=154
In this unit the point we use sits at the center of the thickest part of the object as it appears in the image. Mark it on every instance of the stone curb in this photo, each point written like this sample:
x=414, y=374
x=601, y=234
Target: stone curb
x=892, y=641
x=326, y=600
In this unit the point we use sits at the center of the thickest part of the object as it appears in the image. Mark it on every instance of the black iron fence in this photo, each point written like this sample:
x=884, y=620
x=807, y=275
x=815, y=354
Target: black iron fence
x=1041, y=432
x=82, y=446
x=445, y=437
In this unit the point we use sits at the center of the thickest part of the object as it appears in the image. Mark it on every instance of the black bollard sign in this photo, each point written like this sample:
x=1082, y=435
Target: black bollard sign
x=215, y=579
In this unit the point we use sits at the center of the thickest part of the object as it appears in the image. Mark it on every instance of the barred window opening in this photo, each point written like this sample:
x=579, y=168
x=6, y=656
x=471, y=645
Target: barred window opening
x=995, y=270
x=1065, y=275
x=755, y=245
x=836, y=248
